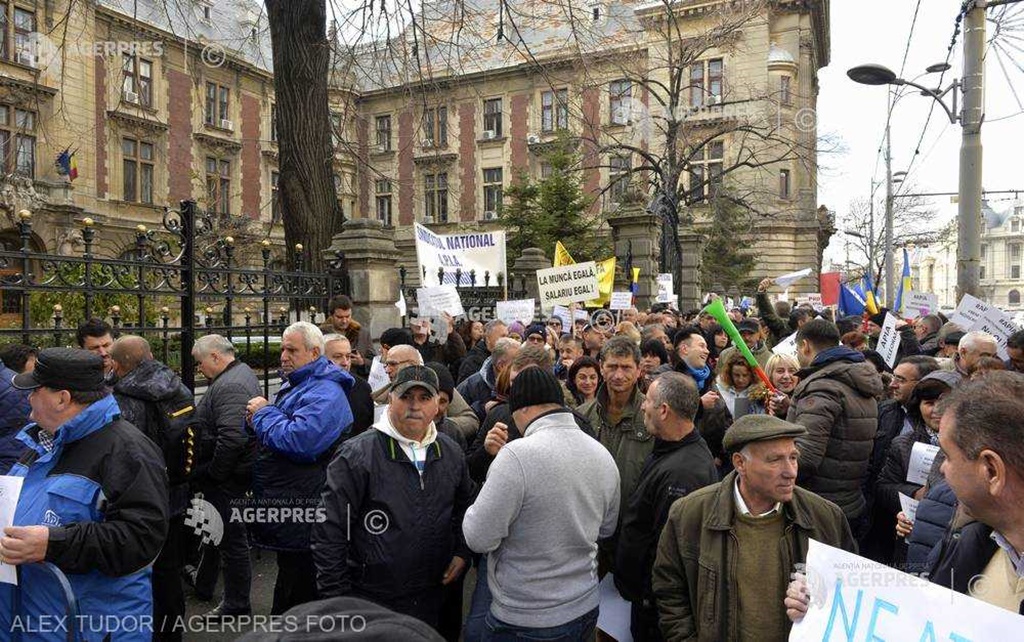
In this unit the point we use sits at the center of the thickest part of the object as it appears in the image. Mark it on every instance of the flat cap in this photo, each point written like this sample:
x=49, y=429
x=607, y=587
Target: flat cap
x=64, y=369
x=750, y=428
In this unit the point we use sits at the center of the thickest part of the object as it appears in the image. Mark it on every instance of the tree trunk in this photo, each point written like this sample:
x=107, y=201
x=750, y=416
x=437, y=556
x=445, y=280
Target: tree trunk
x=311, y=214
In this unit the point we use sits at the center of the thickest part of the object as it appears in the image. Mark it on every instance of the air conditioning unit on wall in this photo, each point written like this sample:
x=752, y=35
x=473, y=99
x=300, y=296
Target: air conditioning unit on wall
x=490, y=134
x=490, y=215
x=532, y=139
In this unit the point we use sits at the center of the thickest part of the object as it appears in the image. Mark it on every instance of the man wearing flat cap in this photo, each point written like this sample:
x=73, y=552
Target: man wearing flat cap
x=727, y=551
x=394, y=502
x=93, y=503
x=548, y=498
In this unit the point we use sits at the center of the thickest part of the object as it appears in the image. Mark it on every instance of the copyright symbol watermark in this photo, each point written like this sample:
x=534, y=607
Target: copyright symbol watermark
x=806, y=119
x=603, y=320
x=376, y=522
x=213, y=55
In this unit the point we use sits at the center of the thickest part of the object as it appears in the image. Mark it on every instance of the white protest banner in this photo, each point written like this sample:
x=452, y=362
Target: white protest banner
x=789, y=279
x=889, y=340
x=437, y=299
x=853, y=598
x=520, y=310
x=968, y=312
x=909, y=506
x=997, y=323
x=922, y=456
x=482, y=252
x=581, y=314
x=787, y=346
x=621, y=301
x=919, y=304
x=10, y=490
x=815, y=300
x=567, y=284
x=665, y=291
x=562, y=313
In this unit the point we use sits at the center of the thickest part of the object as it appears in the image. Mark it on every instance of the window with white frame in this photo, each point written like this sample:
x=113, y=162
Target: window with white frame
x=137, y=166
x=435, y=192
x=137, y=84
x=382, y=187
x=706, y=82
x=218, y=103
x=620, y=94
x=18, y=141
x=492, y=116
x=492, y=189
x=218, y=185
x=435, y=127
x=554, y=110
x=618, y=177
x=706, y=172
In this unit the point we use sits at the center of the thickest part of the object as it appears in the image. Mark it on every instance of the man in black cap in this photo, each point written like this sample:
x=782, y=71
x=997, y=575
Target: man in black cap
x=93, y=501
x=394, y=502
x=548, y=498
x=909, y=343
x=750, y=330
x=755, y=523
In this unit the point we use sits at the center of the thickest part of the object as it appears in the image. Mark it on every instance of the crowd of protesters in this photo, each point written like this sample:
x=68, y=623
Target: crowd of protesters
x=544, y=458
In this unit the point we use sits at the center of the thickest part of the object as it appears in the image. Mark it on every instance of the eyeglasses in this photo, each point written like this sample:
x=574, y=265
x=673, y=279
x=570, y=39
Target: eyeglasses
x=902, y=380
x=395, y=364
x=555, y=324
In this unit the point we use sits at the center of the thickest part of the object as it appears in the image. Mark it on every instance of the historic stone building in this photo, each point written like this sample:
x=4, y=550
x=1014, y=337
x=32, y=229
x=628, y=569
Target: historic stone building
x=163, y=101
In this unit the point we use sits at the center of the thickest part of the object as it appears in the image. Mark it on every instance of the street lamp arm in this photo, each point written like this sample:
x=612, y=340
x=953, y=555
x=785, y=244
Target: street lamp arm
x=938, y=96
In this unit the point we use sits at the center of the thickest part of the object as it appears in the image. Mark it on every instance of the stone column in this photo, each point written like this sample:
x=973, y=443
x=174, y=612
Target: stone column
x=689, y=290
x=526, y=266
x=636, y=229
x=371, y=259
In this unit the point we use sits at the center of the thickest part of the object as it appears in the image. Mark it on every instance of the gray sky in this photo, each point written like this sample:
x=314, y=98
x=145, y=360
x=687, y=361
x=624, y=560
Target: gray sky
x=873, y=31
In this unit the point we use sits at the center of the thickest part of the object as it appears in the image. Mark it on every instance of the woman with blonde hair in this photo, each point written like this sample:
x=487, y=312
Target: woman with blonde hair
x=782, y=372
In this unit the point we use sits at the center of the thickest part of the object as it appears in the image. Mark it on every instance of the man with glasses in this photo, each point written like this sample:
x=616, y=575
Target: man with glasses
x=1015, y=348
x=892, y=421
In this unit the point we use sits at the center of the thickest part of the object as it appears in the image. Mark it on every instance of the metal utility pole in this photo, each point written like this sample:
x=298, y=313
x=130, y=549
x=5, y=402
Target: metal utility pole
x=871, y=233
x=889, y=276
x=968, y=259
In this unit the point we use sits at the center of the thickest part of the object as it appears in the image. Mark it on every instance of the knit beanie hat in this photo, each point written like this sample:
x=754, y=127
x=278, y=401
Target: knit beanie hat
x=445, y=383
x=533, y=387
x=536, y=328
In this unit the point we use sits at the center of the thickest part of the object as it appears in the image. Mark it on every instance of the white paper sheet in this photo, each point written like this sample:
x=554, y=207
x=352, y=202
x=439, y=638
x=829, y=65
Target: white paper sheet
x=10, y=490
x=921, y=457
x=615, y=614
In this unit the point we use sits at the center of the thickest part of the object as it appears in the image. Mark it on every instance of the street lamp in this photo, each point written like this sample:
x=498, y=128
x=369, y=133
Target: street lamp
x=970, y=118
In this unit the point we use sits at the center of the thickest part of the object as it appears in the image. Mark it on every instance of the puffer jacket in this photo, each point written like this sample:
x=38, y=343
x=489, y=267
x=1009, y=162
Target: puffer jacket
x=934, y=514
x=153, y=398
x=225, y=451
x=693, y=576
x=14, y=412
x=297, y=436
x=835, y=402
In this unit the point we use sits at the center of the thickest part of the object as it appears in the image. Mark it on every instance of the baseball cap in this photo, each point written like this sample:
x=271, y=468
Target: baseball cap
x=415, y=376
x=64, y=369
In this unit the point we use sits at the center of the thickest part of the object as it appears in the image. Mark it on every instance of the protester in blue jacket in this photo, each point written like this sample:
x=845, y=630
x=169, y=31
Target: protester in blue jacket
x=93, y=504
x=14, y=411
x=297, y=436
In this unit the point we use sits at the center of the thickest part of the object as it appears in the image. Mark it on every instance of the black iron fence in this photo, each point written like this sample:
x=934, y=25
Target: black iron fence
x=478, y=298
x=176, y=283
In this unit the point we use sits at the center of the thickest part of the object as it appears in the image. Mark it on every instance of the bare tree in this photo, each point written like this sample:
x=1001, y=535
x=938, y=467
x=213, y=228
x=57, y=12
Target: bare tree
x=913, y=222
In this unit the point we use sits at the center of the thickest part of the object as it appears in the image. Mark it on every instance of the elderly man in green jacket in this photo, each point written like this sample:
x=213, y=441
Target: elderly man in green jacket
x=727, y=551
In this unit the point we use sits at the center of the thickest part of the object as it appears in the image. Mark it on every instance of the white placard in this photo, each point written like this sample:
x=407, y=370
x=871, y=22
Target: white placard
x=789, y=279
x=889, y=340
x=10, y=490
x=999, y=325
x=909, y=506
x=615, y=614
x=562, y=313
x=482, y=252
x=567, y=284
x=378, y=375
x=919, y=304
x=621, y=301
x=853, y=598
x=786, y=346
x=519, y=310
x=665, y=288
x=968, y=312
x=922, y=456
x=434, y=300
x=581, y=314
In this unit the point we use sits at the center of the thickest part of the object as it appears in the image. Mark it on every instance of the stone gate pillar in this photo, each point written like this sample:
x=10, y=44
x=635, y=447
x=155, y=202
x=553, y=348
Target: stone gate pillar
x=371, y=259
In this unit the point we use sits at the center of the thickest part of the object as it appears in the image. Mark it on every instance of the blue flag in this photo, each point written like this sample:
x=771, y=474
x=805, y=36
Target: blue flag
x=850, y=303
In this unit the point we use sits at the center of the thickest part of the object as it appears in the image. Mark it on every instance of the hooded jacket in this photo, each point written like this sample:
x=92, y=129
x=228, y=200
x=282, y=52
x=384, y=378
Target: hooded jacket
x=478, y=389
x=102, y=491
x=154, y=400
x=297, y=436
x=473, y=360
x=391, y=529
x=835, y=402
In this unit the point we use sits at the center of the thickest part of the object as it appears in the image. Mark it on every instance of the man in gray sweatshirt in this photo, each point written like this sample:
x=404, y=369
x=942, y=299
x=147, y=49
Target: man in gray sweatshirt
x=548, y=498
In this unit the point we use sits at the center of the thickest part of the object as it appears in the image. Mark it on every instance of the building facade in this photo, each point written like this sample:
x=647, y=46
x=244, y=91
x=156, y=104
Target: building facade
x=161, y=105
x=1002, y=247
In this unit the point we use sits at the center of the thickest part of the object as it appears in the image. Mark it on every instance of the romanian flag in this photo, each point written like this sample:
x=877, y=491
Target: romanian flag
x=562, y=256
x=905, y=285
x=67, y=164
x=869, y=295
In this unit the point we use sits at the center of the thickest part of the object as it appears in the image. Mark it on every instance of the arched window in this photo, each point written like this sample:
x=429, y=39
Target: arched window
x=1014, y=297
